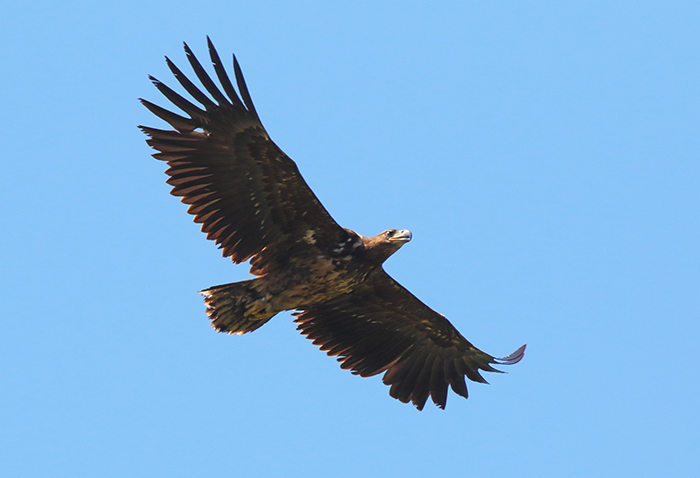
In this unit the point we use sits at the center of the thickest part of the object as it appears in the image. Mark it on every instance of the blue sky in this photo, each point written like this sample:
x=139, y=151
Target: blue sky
x=545, y=156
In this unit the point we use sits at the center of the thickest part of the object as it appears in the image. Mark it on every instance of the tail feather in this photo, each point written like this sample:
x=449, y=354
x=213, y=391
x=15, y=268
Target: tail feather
x=237, y=308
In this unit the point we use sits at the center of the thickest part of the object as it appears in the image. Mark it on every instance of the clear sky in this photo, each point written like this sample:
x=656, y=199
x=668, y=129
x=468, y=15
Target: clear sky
x=545, y=155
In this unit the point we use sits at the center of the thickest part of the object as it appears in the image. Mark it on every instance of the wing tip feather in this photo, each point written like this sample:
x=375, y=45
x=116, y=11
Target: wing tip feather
x=513, y=358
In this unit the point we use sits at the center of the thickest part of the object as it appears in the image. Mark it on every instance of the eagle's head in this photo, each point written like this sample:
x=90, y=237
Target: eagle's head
x=395, y=237
x=384, y=244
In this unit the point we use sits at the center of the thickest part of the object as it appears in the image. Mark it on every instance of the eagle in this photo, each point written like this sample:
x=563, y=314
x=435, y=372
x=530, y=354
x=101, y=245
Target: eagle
x=251, y=199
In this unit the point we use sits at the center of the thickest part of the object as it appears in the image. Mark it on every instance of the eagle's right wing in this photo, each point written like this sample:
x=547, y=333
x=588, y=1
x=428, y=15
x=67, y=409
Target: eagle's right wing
x=382, y=327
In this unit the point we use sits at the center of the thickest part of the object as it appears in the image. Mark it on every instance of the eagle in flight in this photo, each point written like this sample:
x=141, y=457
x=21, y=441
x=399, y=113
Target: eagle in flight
x=252, y=201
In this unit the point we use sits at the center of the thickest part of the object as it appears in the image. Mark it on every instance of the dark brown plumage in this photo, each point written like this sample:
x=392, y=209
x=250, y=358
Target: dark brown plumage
x=252, y=201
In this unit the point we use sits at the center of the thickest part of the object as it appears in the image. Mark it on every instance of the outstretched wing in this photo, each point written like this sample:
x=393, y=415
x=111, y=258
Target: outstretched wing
x=381, y=327
x=248, y=195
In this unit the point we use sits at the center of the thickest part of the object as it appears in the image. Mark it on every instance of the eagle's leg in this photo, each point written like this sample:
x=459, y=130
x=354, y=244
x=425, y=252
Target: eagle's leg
x=238, y=307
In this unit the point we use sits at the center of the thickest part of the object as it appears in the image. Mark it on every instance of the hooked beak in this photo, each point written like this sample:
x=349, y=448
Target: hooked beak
x=403, y=235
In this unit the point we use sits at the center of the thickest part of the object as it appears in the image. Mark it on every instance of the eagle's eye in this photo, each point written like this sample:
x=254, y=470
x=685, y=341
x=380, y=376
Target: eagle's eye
x=390, y=233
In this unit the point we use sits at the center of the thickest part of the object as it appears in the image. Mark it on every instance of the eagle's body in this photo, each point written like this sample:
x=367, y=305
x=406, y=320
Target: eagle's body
x=251, y=199
x=314, y=274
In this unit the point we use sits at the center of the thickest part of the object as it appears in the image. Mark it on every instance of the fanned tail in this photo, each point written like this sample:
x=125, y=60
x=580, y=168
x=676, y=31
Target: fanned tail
x=237, y=308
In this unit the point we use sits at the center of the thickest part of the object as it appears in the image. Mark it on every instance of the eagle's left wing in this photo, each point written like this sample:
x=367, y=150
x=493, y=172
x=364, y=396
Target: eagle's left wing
x=381, y=327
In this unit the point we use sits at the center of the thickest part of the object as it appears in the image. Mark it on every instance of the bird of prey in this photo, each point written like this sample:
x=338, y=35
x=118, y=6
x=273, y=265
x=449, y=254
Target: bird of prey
x=252, y=201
